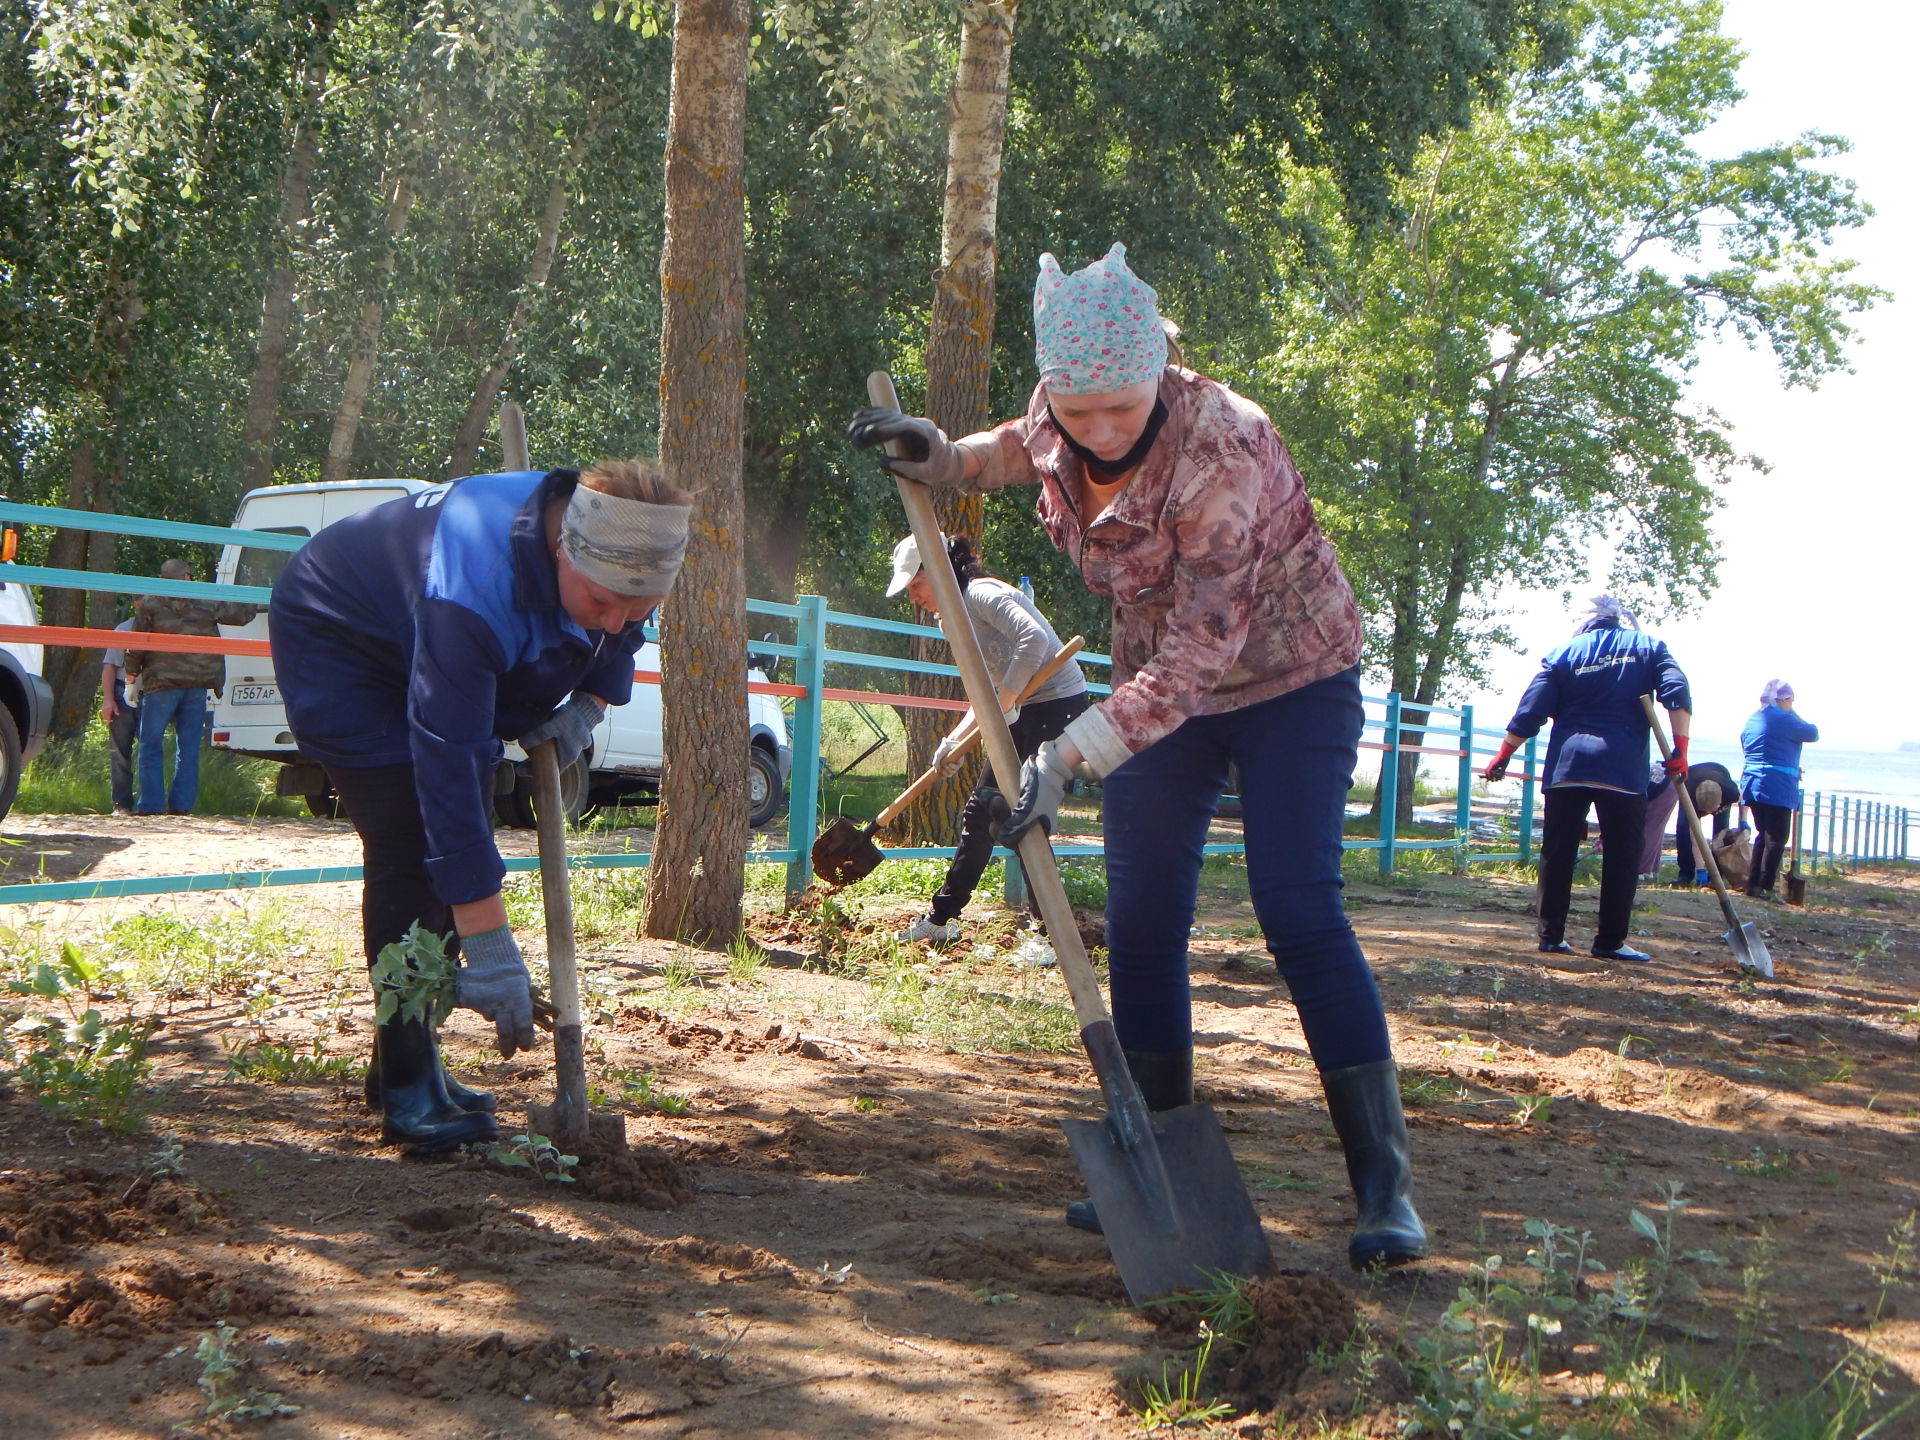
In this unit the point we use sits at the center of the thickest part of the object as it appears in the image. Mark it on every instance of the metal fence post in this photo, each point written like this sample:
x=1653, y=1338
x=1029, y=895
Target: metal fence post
x=1813, y=831
x=1526, y=802
x=1463, y=797
x=1389, y=788
x=803, y=795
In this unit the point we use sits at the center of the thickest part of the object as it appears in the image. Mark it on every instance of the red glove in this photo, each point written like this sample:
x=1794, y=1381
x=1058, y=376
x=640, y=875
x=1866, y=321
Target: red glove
x=1497, y=770
x=1676, y=764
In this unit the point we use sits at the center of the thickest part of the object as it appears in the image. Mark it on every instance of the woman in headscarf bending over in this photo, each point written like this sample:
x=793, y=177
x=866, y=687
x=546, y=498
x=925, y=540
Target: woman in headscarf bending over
x=410, y=640
x=1236, y=642
x=1770, y=779
x=1590, y=688
x=1016, y=640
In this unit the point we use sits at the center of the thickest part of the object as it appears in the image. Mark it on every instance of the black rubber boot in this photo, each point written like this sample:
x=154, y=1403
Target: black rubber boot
x=1165, y=1078
x=1365, y=1103
x=416, y=1109
x=460, y=1095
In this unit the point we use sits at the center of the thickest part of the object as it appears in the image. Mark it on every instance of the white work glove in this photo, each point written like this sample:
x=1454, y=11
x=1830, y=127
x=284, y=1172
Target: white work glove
x=493, y=980
x=946, y=756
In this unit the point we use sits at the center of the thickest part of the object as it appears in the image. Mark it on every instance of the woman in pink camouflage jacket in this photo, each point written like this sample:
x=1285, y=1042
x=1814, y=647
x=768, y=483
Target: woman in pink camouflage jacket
x=1236, y=642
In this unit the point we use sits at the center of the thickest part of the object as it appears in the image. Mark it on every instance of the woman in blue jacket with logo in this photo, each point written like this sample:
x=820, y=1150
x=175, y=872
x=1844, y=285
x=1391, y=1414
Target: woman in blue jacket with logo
x=1597, y=759
x=1770, y=780
x=409, y=641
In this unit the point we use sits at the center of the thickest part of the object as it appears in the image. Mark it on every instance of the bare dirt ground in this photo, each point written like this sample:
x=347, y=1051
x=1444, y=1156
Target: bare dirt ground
x=856, y=1233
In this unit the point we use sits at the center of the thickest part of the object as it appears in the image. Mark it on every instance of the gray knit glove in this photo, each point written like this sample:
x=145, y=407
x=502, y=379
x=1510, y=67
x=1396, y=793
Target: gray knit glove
x=570, y=728
x=1043, y=785
x=494, y=981
x=925, y=454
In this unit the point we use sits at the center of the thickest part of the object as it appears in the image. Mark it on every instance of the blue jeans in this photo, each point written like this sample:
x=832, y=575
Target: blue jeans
x=186, y=711
x=1296, y=755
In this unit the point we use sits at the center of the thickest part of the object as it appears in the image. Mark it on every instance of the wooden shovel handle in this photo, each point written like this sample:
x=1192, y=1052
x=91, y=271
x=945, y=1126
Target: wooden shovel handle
x=1694, y=827
x=968, y=734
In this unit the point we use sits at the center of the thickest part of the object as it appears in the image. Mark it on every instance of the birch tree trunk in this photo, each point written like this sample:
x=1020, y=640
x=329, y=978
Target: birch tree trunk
x=695, y=888
x=276, y=304
x=366, y=347
x=960, y=357
x=466, y=442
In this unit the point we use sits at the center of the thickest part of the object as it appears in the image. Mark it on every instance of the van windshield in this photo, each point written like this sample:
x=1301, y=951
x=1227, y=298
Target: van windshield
x=263, y=567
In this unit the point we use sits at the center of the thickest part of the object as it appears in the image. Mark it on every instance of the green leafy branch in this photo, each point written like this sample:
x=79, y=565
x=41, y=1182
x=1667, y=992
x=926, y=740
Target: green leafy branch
x=413, y=979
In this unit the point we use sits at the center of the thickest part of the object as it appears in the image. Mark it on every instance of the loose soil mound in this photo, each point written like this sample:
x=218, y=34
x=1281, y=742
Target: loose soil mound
x=47, y=1215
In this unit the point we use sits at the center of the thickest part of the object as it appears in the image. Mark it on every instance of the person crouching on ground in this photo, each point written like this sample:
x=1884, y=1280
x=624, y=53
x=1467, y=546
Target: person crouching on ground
x=410, y=640
x=1770, y=779
x=1590, y=688
x=1236, y=641
x=1016, y=640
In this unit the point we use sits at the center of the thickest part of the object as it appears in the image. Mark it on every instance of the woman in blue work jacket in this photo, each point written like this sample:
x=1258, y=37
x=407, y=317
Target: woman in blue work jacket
x=1770, y=779
x=410, y=640
x=1590, y=688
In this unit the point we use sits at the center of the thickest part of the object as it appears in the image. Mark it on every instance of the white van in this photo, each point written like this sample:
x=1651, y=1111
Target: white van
x=622, y=766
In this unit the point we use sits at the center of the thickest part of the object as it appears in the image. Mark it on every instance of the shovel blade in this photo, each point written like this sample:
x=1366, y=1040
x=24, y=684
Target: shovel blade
x=844, y=853
x=1750, y=950
x=1178, y=1232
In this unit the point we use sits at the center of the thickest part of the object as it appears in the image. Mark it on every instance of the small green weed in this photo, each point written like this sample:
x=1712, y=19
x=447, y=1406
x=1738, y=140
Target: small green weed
x=745, y=962
x=282, y=1062
x=1428, y=1087
x=528, y=1151
x=643, y=1090
x=1529, y=1108
x=69, y=1057
x=228, y=1400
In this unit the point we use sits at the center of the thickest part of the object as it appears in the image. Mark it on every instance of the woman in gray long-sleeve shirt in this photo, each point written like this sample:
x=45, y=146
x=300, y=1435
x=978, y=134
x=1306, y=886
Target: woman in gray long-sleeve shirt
x=1016, y=640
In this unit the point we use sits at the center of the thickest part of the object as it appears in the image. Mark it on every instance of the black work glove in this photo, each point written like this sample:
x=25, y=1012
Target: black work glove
x=925, y=455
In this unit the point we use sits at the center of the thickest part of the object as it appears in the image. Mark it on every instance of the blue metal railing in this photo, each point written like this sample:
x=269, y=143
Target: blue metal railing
x=1836, y=830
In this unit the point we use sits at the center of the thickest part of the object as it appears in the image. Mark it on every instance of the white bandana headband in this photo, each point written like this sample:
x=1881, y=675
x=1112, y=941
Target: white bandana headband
x=630, y=546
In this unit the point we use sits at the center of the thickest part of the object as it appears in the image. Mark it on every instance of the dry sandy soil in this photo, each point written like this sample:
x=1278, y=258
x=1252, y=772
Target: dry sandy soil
x=853, y=1233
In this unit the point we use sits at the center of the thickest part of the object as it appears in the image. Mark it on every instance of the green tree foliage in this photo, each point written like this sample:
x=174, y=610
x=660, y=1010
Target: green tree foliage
x=1488, y=390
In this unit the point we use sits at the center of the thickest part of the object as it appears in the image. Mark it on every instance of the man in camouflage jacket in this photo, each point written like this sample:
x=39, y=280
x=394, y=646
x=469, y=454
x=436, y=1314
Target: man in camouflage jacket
x=173, y=689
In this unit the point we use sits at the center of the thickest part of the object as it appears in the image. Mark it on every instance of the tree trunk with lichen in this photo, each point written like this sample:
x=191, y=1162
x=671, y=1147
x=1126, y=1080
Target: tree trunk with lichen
x=697, y=880
x=959, y=358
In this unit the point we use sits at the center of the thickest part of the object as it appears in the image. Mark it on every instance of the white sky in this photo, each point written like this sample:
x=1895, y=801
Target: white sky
x=1820, y=556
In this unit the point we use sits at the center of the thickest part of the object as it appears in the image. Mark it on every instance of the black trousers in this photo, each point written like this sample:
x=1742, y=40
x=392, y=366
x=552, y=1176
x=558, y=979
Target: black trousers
x=1039, y=721
x=1771, y=826
x=1623, y=819
x=385, y=811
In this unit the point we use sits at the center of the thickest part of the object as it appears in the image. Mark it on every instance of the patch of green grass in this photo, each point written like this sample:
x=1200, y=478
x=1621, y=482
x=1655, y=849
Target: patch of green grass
x=74, y=777
x=282, y=1062
x=606, y=903
x=642, y=1088
x=1419, y=1088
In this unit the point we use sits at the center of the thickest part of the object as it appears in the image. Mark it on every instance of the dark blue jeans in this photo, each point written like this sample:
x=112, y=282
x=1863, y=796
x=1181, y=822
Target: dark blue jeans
x=186, y=711
x=1296, y=755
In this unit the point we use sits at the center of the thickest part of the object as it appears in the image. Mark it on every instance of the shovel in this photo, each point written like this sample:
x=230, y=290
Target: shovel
x=566, y=1121
x=1796, y=882
x=844, y=853
x=1749, y=950
x=1176, y=1213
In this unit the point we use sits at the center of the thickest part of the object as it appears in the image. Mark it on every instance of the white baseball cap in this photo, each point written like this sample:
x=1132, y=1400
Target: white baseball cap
x=906, y=563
